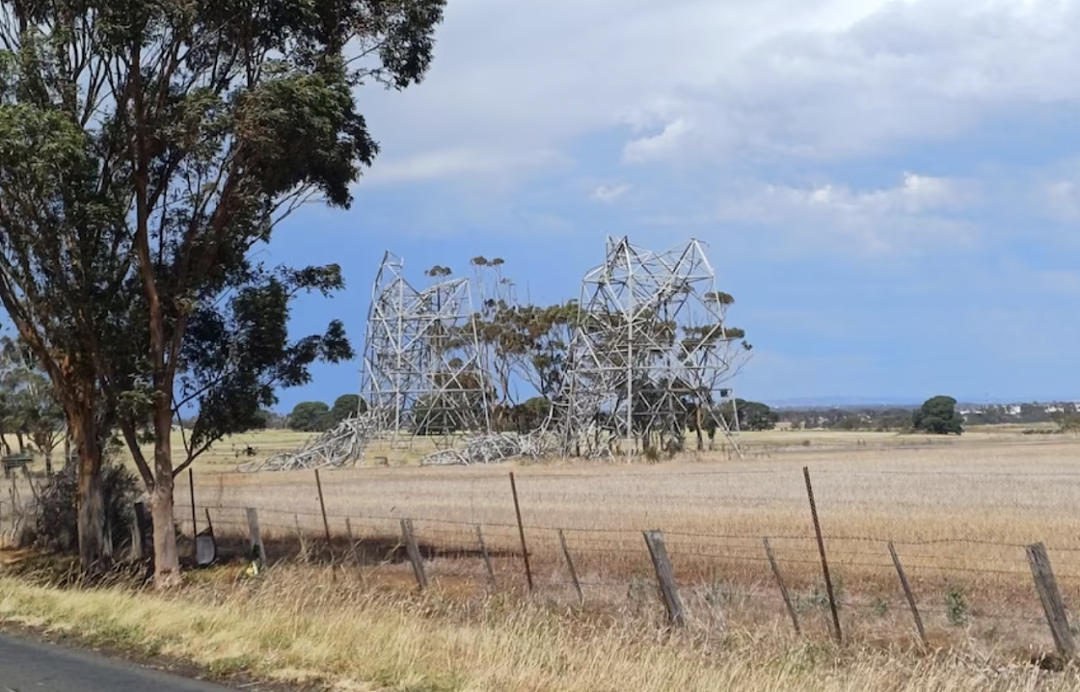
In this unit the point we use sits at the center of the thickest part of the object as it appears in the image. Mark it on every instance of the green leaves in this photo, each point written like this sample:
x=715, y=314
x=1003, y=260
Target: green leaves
x=938, y=416
x=235, y=357
x=146, y=149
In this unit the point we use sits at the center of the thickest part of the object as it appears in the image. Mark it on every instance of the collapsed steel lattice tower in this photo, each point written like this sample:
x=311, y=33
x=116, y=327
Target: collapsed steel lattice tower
x=650, y=353
x=421, y=371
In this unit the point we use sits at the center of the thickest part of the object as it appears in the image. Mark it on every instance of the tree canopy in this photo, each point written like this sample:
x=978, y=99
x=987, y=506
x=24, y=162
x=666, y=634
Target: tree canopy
x=938, y=416
x=146, y=149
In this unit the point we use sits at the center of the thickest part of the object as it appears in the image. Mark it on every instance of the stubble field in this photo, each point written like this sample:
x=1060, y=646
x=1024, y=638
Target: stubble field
x=959, y=512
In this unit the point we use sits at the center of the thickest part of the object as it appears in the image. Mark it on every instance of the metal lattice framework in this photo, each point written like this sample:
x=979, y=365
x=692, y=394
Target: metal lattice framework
x=422, y=372
x=650, y=354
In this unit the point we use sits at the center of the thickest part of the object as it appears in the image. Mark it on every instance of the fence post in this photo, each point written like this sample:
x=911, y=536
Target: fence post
x=487, y=558
x=783, y=587
x=191, y=491
x=907, y=593
x=665, y=575
x=322, y=508
x=570, y=564
x=837, y=635
x=521, y=532
x=413, y=551
x=352, y=542
x=300, y=537
x=1053, y=606
x=255, y=541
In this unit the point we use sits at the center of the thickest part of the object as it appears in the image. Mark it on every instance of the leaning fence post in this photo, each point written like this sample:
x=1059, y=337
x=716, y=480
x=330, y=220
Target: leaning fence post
x=413, y=551
x=907, y=593
x=255, y=541
x=191, y=492
x=570, y=565
x=837, y=635
x=665, y=575
x=487, y=558
x=783, y=587
x=322, y=508
x=521, y=532
x=1053, y=606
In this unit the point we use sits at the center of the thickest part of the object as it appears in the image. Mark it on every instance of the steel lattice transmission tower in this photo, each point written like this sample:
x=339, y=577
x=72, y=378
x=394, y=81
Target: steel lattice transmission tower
x=422, y=372
x=651, y=354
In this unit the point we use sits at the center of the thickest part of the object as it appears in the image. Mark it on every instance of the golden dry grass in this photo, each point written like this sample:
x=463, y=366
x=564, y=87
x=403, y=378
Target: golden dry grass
x=959, y=510
x=303, y=626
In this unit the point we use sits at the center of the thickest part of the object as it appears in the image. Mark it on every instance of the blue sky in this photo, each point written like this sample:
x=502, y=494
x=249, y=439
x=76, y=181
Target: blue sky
x=890, y=190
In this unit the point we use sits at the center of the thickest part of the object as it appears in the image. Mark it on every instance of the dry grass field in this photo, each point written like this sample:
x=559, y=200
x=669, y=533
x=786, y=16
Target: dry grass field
x=959, y=511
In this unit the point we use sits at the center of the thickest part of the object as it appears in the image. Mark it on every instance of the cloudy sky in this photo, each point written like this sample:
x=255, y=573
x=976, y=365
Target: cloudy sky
x=890, y=190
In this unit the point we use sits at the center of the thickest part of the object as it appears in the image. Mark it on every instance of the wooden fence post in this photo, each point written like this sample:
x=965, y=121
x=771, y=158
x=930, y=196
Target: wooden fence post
x=1053, y=606
x=300, y=537
x=907, y=594
x=570, y=565
x=521, y=532
x=255, y=541
x=837, y=635
x=191, y=492
x=665, y=575
x=783, y=587
x=487, y=558
x=352, y=543
x=413, y=551
x=322, y=508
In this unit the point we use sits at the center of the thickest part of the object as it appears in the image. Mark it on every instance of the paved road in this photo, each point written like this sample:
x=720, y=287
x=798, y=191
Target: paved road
x=27, y=666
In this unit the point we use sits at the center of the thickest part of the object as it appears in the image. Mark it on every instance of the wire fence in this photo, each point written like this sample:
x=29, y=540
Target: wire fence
x=760, y=561
x=952, y=583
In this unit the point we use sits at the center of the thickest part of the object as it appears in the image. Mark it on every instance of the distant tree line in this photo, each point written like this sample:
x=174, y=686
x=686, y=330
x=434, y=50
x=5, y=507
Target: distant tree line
x=1066, y=415
x=317, y=416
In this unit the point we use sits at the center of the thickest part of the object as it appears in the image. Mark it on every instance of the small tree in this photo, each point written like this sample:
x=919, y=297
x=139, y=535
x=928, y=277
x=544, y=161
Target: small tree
x=938, y=416
x=752, y=415
x=309, y=416
x=346, y=406
x=30, y=410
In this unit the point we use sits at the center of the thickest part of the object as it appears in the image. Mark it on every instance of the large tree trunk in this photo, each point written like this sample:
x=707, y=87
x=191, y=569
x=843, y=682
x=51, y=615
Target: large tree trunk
x=95, y=554
x=166, y=555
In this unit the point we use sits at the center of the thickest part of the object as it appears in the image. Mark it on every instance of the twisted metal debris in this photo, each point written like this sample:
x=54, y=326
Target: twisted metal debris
x=422, y=364
x=651, y=349
x=493, y=448
x=343, y=444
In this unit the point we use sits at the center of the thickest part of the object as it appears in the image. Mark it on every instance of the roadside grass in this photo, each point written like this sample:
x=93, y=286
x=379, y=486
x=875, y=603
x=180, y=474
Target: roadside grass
x=310, y=625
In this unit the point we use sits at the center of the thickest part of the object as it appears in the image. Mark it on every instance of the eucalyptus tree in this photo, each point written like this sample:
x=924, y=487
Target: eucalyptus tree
x=147, y=149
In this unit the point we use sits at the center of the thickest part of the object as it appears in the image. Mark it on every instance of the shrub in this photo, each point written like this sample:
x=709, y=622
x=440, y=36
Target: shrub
x=56, y=520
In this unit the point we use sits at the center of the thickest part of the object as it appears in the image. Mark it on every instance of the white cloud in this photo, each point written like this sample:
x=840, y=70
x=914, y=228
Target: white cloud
x=608, y=194
x=674, y=138
x=907, y=218
x=457, y=163
x=708, y=78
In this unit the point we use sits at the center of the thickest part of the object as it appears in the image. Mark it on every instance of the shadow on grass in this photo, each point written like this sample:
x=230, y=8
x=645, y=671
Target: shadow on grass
x=368, y=551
